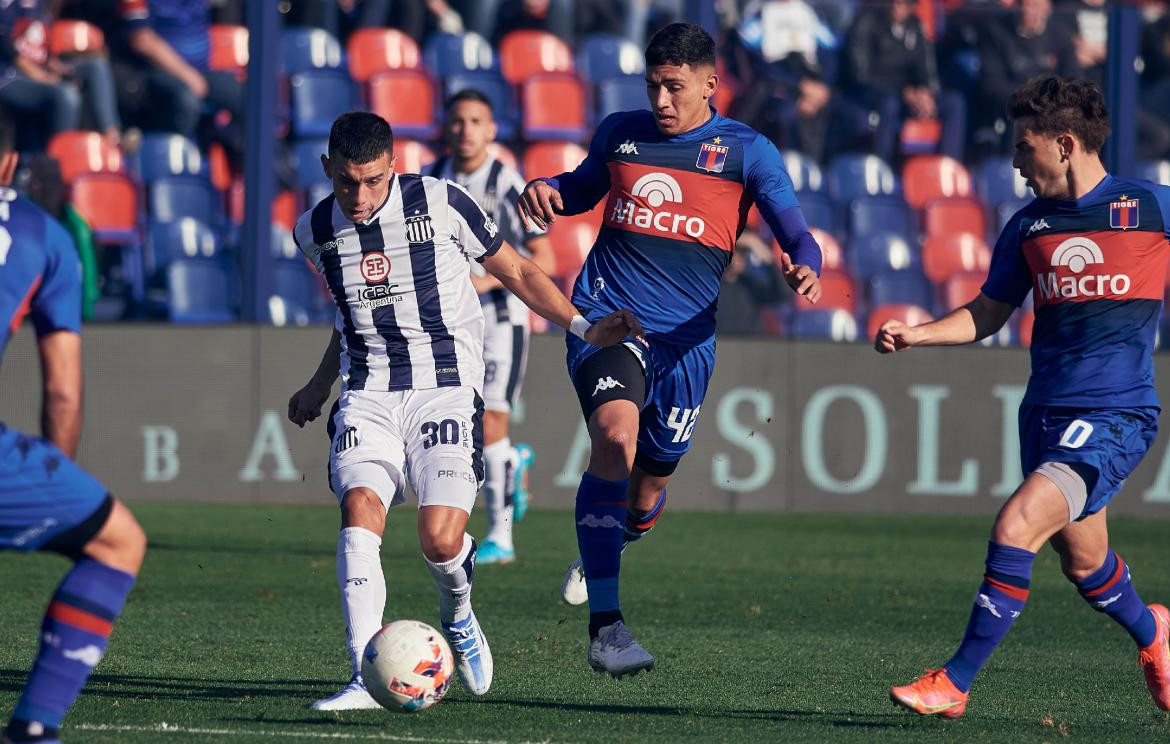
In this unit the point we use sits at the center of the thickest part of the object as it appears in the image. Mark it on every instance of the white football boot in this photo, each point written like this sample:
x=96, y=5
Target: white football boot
x=615, y=651
x=353, y=697
x=473, y=656
x=573, y=588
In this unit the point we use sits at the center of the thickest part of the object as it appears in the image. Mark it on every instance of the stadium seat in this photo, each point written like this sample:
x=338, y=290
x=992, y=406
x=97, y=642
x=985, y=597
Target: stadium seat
x=547, y=159
x=162, y=154
x=68, y=36
x=109, y=203
x=504, y=155
x=200, y=291
x=1004, y=337
x=602, y=56
x=837, y=293
x=908, y=287
x=219, y=167
x=286, y=209
x=804, y=171
x=908, y=313
x=229, y=48
x=1004, y=211
x=571, y=239
x=184, y=238
x=818, y=323
x=170, y=198
x=953, y=215
x=315, y=193
x=1157, y=171
x=411, y=156
x=374, y=50
x=496, y=89
x=929, y=177
x=305, y=156
x=317, y=98
x=854, y=175
x=997, y=182
x=819, y=210
x=553, y=108
x=85, y=152
x=406, y=99
x=920, y=136
x=307, y=49
x=959, y=289
x=297, y=297
x=876, y=214
x=526, y=53
x=948, y=254
x=874, y=253
x=449, y=54
x=624, y=93
x=831, y=255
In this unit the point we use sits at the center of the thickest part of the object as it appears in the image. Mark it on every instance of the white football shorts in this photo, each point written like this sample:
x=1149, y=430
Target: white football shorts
x=505, y=355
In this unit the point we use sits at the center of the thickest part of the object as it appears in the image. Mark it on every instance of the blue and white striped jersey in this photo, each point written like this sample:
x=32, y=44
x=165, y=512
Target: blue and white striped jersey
x=408, y=316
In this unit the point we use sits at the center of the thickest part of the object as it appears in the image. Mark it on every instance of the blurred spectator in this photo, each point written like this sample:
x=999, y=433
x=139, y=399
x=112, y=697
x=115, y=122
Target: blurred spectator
x=628, y=18
x=31, y=82
x=1156, y=55
x=891, y=68
x=553, y=16
x=342, y=17
x=751, y=283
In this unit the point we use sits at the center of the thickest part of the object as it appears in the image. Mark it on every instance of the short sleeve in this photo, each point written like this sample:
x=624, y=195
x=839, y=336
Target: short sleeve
x=56, y=306
x=475, y=232
x=1008, y=279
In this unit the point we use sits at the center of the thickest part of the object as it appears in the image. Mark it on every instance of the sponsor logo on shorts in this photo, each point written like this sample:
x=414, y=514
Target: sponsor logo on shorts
x=32, y=533
x=458, y=474
x=607, y=522
x=345, y=440
x=606, y=383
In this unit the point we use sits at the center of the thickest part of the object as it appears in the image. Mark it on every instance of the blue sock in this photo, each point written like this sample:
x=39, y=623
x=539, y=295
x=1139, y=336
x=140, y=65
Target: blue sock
x=1110, y=590
x=1000, y=600
x=638, y=525
x=601, y=515
x=74, y=635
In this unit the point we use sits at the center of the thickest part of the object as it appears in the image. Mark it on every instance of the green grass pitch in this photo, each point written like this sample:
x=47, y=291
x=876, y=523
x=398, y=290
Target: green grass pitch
x=765, y=628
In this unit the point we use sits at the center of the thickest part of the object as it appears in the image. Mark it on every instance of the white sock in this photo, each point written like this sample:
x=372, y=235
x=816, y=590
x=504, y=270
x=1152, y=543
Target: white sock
x=498, y=464
x=363, y=589
x=453, y=579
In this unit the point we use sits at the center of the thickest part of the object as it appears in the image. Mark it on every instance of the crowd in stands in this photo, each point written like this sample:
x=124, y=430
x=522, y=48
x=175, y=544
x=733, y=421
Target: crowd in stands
x=889, y=114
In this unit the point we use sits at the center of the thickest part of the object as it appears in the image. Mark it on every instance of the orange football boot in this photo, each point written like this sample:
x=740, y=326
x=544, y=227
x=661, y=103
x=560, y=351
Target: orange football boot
x=932, y=694
x=1155, y=659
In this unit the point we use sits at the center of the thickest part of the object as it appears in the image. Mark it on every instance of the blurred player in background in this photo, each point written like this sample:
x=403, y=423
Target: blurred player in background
x=408, y=343
x=469, y=130
x=1092, y=248
x=47, y=502
x=680, y=179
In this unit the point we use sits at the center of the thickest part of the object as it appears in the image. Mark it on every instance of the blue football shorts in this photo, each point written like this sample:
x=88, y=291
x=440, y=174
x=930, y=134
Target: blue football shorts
x=1102, y=445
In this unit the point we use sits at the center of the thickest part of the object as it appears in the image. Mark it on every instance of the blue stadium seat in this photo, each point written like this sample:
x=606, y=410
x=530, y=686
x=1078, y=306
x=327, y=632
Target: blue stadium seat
x=835, y=325
x=200, y=291
x=996, y=182
x=876, y=253
x=163, y=154
x=317, y=98
x=497, y=90
x=305, y=49
x=451, y=54
x=1004, y=212
x=854, y=175
x=819, y=210
x=305, y=158
x=877, y=214
x=184, y=238
x=172, y=197
x=1157, y=171
x=316, y=192
x=1005, y=336
x=602, y=56
x=619, y=93
x=909, y=287
x=805, y=172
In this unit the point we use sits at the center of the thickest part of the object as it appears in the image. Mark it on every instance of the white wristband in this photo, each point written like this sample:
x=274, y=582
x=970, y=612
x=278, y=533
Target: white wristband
x=578, y=325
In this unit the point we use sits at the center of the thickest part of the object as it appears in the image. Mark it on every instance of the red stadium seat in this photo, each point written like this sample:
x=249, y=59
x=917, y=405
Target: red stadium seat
x=920, y=135
x=546, y=159
x=406, y=99
x=75, y=37
x=109, y=203
x=728, y=88
x=85, y=152
x=1027, y=320
x=944, y=256
x=908, y=314
x=831, y=256
x=229, y=47
x=504, y=155
x=960, y=289
x=571, y=239
x=553, y=107
x=286, y=209
x=953, y=215
x=527, y=53
x=411, y=156
x=374, y=50
x=219, y=167
x=837, y=293
x=929, y=177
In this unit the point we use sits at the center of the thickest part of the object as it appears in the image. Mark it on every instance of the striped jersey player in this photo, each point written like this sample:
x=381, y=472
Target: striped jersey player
x=395, y=251
x=469, y=129
x=1092, y=251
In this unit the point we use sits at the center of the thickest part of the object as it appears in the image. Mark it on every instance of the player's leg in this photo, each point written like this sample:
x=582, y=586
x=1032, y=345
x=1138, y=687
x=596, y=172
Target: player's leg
x=445, y=456
x=69, y=513
x=498, y=463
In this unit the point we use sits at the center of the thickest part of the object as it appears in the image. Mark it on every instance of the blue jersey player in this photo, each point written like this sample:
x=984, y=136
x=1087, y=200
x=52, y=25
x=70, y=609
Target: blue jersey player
x=47, y=502
x=678, y=181
x=1092, y=249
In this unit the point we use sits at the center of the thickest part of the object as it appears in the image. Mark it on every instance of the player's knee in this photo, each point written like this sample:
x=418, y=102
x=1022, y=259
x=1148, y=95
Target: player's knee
x=614, y=447
x=1079, y=565
x=440, y=546
x=361, y=507
x=121, y=542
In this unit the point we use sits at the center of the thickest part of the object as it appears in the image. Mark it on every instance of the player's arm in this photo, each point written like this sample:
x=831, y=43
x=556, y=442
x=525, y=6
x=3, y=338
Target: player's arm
x=573, y=192
x=60, y=354
x=305, y=404
x=542, y=256
x=978, y=319
x=146, y=41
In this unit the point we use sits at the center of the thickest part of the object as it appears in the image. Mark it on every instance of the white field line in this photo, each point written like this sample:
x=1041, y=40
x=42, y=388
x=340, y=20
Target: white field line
x=286, y=734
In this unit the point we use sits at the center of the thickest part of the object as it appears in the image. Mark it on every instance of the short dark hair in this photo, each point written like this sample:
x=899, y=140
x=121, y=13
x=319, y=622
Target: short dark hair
x=7, y=131
x=470, y=94
x=1057, y=105
x=360, y=137
x=681, y=44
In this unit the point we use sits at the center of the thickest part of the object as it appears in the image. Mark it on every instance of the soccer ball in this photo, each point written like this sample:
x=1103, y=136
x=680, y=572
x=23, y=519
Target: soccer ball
x=407, y=666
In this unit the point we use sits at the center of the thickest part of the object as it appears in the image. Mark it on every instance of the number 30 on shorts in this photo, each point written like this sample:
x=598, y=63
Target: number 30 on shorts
x=445, y=432
x=1076, y=434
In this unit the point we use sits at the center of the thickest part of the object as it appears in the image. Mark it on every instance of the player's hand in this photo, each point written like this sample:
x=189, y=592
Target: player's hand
x=803, y=280
x=539, y=204
x=615, y=328
x=305, y=404
x=894, y=335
